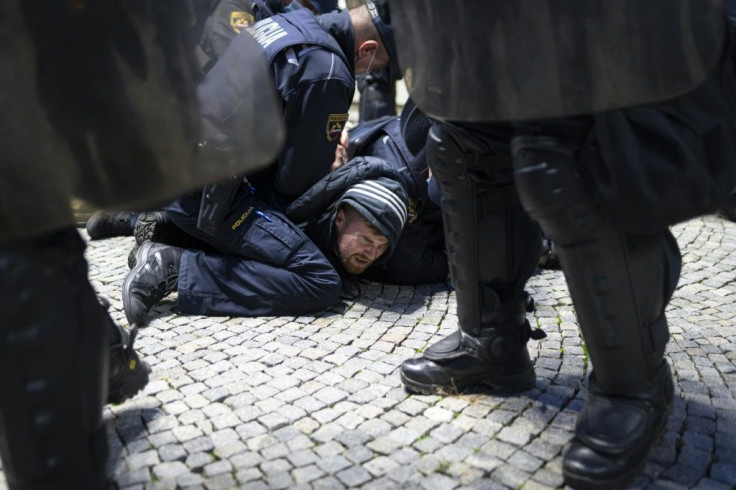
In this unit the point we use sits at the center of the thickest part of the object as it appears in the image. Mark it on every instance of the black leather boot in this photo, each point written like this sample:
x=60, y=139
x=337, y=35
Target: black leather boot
x=613, y=434
x=493, y=248
x=620, y=285
x=497, y=358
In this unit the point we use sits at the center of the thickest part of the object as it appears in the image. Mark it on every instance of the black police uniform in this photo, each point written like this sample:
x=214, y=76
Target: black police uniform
x=618, y=127
x=91, y=108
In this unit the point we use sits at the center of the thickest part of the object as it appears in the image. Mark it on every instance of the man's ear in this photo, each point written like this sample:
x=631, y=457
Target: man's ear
x=367, y=48
x=340, y=220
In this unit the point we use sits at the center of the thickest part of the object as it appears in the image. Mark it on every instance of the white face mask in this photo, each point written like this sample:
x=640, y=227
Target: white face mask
x=360, y=77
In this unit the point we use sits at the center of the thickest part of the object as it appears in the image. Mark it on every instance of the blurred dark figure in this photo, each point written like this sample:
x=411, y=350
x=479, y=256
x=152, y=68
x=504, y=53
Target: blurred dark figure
x=98, y=103
x=211, y=27
x=604, y=129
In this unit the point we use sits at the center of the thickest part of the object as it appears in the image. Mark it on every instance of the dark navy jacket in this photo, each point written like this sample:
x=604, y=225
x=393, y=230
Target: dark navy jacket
x=311, y=61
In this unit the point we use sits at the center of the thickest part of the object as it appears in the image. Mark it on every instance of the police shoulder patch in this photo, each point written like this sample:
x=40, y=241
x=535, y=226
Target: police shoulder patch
x=335, y=125
x=240, y=20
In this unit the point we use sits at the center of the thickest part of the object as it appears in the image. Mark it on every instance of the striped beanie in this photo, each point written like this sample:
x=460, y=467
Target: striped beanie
x=381, y=201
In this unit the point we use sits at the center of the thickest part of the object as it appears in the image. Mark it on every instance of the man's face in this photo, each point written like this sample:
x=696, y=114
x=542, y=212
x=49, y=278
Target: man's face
x=358, y=244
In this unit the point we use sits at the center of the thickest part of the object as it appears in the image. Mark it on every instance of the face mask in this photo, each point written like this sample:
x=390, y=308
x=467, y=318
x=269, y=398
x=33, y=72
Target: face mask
x=362, y=76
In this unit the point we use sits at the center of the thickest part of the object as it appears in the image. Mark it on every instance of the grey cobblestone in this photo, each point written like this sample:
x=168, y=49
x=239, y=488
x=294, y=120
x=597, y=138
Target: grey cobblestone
x=316, y=401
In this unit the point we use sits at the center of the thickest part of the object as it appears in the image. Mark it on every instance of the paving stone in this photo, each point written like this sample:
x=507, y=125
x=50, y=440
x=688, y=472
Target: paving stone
x=146, y=458
x=446, y=433
x=359, y=454
x=353, y=476
x=186, y=433
x=380, y=466
x=302, y=458
x=171, y=452
x=427, y=444
x=328, y=483
x=307, y=474
x=169, y=470
x=189, y=480
x=217, y=468
x=133, y=477
x=437, y=481
x=197, y=461
x=223, y=481
x=280, y=480
x=200, y=444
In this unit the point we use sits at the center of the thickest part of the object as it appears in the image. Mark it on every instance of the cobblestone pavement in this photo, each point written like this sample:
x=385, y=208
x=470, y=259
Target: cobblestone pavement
x=316, y=401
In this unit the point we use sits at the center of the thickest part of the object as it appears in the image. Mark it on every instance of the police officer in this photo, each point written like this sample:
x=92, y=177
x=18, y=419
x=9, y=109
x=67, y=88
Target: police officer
x=313, y=62
x=377, y=90
x=223, y=20
x=606, y=129
x=391, y=142
x=85, y=112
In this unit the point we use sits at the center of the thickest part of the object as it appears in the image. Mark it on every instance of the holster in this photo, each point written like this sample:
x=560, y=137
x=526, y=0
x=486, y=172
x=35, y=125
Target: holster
x=215, y=203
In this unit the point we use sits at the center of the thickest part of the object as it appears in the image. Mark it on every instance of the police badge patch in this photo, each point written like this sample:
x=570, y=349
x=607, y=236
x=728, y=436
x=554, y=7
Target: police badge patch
x=240, y=20
x=335, y=125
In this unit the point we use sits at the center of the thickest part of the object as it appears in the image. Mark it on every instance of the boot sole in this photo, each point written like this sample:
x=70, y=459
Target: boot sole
x=141, y=259
x=131, y=386
x=145, y=229
x=511, y=383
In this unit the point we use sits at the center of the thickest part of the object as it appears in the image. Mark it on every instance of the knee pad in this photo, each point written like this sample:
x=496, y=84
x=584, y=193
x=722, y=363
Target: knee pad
x=492, y=244
x=553, y=190
x=459, y=163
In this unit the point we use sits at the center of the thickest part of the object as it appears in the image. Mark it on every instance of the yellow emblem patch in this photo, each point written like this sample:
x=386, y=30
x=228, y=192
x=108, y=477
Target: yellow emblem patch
x=240, y=20
x=335, y=125
x=412, y=214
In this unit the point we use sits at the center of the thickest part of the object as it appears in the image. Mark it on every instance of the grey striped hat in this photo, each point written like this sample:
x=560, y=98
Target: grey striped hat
x=383, y=202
